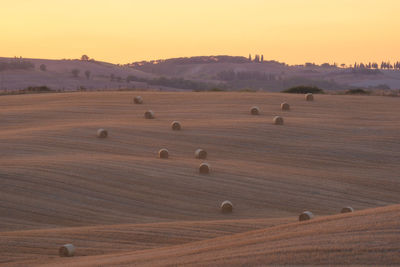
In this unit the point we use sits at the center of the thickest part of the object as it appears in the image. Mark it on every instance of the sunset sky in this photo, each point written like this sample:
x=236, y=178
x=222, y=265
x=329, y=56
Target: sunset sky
x=122, y=31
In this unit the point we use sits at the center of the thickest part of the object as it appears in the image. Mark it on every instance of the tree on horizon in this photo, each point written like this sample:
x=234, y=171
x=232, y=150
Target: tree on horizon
x=85, y=58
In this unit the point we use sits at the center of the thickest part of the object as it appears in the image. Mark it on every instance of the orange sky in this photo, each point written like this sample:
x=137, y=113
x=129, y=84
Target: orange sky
x=122, y=31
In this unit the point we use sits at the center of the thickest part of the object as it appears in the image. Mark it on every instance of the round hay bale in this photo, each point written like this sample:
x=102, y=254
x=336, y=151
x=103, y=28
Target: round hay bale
x=200, y=154
x=278, y=120
x=226, y=206
x=306, y=215
x=101, y=133
x=204, y=168
x=309, y=97
x=285, y=106
x=347, y=209
x=149, y=114
x=255, y=110
x=163, y=153
x=67, y=250
x=176, y=126
x=138, y=100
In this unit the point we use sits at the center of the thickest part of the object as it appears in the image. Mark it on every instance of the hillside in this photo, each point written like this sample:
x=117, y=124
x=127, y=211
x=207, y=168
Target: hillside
x=364, y=238
x=58, y=75
x=236, y=73
x=60, y=184
x=189, y=74
x=40, y=246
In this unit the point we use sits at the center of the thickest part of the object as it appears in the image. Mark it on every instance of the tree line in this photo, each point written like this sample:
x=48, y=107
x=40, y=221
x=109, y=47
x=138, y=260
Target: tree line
x=373, y=65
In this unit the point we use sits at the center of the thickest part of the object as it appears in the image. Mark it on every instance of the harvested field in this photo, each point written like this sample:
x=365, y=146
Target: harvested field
x=331, y=240
x=60, y=184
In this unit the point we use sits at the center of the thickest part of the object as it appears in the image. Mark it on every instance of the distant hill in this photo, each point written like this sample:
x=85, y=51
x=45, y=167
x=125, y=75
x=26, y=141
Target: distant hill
x=17, y=73
x=237, y=73
x=192, y=73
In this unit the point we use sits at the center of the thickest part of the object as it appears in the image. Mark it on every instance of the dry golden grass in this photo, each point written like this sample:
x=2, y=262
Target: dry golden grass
x=333, y=152
x=40, y=246
x=363, y=238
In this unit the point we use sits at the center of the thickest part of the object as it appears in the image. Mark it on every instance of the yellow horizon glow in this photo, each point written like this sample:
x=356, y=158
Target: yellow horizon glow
x=122, y=31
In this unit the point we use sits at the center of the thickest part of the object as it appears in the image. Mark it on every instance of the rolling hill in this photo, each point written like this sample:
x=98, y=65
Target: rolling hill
x=364, y=238
x=58, y=75
x=238, y=73
x=188, y=74
x=114, y=197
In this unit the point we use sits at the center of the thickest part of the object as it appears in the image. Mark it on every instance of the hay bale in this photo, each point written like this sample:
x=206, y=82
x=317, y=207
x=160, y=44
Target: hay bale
x=101, y=133
x=149, y=114
x=67, y=250
x=285, y=106
x=176, y=126
x=309, y=97
x=226, y=207
x=204, y=168
x=163, y=153
x=347, y=209
x=138, y=100
x=200, y=154
x=278, y=120
x=306, y=215
x=255, y=110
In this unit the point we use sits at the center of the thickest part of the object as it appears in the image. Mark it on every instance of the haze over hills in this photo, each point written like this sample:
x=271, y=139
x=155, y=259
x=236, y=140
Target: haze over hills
x=239, y=72
x=195, y=73
x=58, y=74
